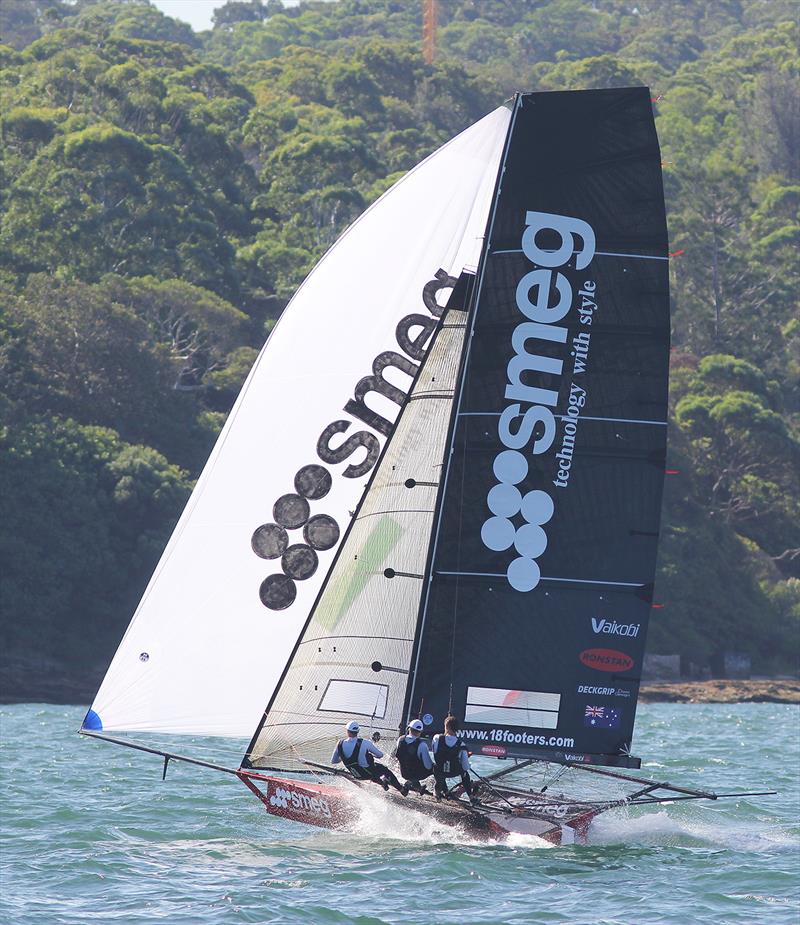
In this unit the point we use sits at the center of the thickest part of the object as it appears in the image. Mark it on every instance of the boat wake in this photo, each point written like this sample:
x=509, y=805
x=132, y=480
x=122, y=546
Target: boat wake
x=689, y=830
x=381, y=819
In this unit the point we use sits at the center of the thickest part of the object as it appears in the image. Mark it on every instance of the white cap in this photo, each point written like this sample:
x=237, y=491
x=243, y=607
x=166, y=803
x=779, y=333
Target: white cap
x=352, y=726
x=416, y=725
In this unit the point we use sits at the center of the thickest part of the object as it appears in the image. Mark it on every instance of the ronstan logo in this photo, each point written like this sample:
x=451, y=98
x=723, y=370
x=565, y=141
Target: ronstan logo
x=496, y=751
x=606, y=660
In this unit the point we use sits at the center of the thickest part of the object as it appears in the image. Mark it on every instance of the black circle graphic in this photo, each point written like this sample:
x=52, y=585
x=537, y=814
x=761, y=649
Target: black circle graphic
x=409, y=483
x=313, y=482
x=291, y=511
x=376, y=666
x=321, y=532
x=144, y=657
x=277, y=592
x=389, y=572
x=269, y=541
x=299, y=561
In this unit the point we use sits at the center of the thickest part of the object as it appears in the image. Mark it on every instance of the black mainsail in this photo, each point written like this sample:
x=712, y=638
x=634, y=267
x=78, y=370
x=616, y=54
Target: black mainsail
x=540, y=585
x=529, y=544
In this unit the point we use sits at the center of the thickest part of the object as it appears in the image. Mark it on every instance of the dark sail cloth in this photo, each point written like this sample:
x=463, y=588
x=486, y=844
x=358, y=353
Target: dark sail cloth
x=450, y=761
x=363, y=766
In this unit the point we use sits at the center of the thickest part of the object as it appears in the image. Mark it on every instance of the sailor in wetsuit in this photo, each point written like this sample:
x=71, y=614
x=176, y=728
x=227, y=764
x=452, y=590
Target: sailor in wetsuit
x=358, y=756
x=450, y=759
x=414, y=758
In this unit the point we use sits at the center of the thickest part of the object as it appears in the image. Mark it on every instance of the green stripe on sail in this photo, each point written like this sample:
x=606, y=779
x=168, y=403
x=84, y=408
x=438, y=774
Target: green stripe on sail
x=369, y=560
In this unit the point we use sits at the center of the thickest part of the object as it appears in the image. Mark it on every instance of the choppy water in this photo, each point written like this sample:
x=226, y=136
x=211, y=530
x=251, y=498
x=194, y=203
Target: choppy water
x=92, y=835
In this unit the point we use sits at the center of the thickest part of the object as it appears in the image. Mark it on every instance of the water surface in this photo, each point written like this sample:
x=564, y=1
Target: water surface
x=92, y=835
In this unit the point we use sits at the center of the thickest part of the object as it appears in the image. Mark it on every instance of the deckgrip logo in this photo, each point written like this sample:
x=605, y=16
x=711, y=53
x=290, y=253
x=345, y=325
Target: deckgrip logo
x=292, y=511
x=603, y=691
x=283, y=799
x=528, y=419
x=606, y=660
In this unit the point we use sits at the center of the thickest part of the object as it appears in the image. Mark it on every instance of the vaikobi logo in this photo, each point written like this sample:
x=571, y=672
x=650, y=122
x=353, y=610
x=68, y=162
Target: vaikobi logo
x=612, y=628
x=529, y=419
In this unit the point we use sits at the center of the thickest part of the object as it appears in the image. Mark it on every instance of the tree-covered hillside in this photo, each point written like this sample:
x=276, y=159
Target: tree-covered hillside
x=163, y=193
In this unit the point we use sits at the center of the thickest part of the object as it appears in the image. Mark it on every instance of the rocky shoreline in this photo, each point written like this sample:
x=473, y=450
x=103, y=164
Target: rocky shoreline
x=721, y=691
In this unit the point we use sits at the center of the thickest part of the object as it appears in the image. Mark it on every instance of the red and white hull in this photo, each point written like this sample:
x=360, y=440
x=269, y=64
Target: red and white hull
x=333, y=807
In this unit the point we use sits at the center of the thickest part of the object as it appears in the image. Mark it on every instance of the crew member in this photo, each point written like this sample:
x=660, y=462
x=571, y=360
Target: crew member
x=414, y=758
x=450, y=759
x=358, y=756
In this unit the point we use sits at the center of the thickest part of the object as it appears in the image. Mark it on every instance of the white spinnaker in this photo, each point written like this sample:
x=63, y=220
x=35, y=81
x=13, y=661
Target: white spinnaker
x=202, y=654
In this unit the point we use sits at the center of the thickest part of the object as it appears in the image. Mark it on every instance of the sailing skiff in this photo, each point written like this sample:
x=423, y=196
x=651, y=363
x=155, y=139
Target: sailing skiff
x=439, y=491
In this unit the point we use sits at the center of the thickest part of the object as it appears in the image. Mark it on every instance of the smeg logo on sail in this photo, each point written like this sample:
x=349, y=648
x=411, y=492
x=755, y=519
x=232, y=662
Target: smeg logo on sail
x=527, y=422
x=312, y=482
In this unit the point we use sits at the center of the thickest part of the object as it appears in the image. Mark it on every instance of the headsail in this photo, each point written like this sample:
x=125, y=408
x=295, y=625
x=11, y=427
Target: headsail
x=235, y=585
x=354, y=655
x=534, y=620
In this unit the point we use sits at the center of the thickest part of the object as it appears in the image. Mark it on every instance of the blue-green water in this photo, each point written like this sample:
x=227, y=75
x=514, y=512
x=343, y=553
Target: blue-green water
x=92, y=835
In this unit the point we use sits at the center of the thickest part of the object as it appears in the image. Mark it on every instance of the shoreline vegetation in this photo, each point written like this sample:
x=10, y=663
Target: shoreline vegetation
x=718, y=690
x=722, y=690
x=163, y=193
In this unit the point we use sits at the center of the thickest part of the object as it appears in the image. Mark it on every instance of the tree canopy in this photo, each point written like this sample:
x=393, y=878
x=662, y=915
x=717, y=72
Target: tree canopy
x=163, y=193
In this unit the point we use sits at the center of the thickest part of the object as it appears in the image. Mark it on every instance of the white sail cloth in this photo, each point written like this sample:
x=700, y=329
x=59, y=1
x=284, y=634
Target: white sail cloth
x=203, y=653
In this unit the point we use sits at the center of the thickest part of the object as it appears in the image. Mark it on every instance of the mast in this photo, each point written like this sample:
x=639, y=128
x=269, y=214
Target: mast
x=408, y=707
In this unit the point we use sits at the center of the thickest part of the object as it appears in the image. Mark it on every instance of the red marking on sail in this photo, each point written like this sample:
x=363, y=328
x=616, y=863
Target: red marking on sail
x=678, y=253
x=511, y=698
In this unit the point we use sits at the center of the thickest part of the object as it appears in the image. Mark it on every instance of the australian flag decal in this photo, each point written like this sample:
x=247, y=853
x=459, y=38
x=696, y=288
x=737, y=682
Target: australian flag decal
x=602, y=718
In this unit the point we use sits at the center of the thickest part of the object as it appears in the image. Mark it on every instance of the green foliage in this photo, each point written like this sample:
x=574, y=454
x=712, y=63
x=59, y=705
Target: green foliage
x=131, y=356
x=745, y=455
x=163, y=194
x=85, y=519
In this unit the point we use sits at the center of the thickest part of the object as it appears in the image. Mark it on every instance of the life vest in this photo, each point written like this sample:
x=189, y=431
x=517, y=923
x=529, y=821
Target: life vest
x=447, y=757
x=351, y=763
x=411, y=765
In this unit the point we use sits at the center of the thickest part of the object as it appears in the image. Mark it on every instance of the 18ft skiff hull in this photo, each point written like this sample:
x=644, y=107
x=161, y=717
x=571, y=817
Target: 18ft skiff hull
x=332, y=807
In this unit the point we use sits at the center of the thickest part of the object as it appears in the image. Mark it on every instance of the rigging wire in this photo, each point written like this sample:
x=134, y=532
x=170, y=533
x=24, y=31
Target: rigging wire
x=458, y=564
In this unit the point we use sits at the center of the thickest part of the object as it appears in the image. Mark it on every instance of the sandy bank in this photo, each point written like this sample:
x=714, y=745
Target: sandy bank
x=720, y=691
